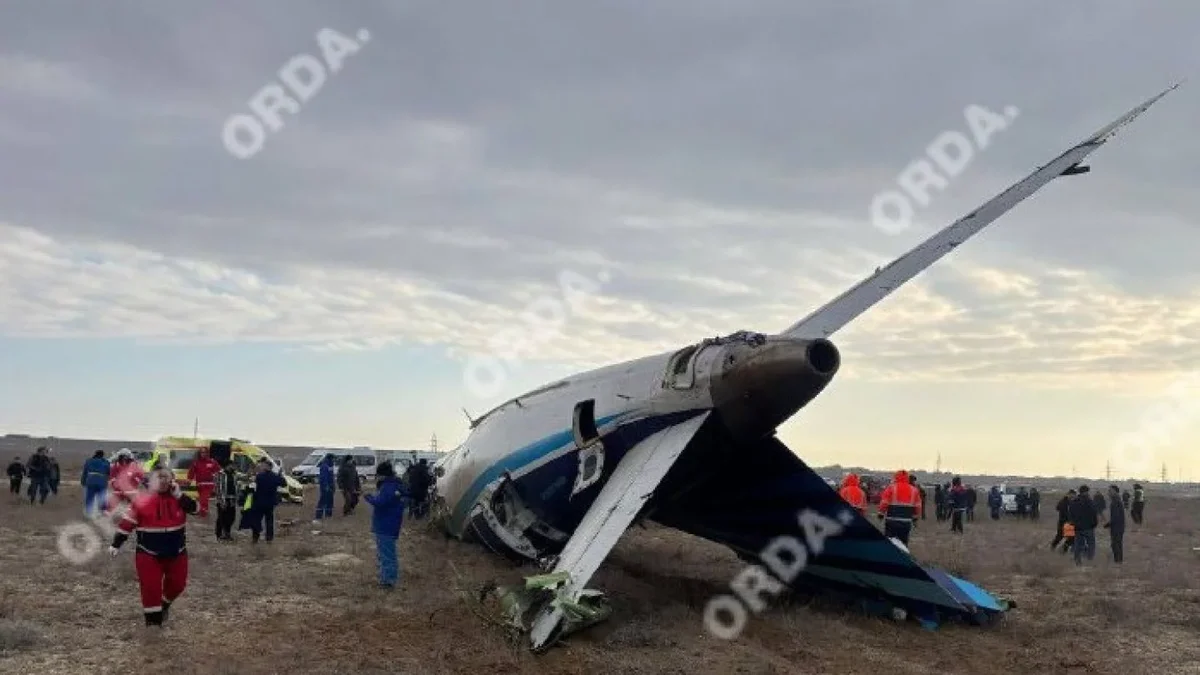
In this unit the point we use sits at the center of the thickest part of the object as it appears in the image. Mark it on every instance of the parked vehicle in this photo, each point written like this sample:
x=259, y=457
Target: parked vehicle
x=180, y=452
x=365, y=461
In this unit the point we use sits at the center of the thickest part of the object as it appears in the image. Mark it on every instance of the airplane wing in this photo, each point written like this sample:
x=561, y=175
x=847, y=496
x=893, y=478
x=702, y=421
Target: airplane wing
x=622, y=497
x=849, y=305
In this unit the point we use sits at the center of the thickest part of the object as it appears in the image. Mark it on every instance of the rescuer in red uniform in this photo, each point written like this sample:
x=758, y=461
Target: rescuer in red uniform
x=899, y=506
x=853, y=494
x=124, y=480
x=158, y=517
x=203, y=474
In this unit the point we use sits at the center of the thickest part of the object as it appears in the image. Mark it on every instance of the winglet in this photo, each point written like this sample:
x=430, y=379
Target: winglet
x=861, y=297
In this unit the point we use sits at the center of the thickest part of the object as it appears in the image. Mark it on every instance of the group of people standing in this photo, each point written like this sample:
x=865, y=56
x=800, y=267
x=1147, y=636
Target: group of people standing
x=157, y=517
x=1080, y=513
x=955, y=498
x=43, y=473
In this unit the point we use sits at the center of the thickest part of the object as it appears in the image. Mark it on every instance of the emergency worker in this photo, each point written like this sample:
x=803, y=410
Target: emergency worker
x=853, y=494
x=124, y=480
x=899, y=506
x=159, y=519
x=1063, y=507
x=1068, y=532
x=203, y=474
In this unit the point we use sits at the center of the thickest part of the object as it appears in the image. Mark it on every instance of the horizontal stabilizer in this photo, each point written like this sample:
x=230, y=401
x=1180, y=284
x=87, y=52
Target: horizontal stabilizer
x=757, y=496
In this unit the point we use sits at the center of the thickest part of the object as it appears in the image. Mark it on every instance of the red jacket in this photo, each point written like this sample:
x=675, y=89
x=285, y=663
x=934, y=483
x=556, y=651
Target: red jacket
x=126, y=479
x=159, y=521
x=204, y=471
x=852, y=493
x=900, y=500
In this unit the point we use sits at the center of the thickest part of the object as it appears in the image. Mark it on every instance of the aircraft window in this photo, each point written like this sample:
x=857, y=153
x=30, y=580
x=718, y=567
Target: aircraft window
x=364, y=460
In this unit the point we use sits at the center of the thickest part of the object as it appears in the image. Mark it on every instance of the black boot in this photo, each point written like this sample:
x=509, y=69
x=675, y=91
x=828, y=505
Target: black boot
x=154, y=618
x=166, y=608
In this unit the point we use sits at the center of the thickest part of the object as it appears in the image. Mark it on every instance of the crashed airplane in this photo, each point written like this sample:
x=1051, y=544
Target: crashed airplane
x=687, y=439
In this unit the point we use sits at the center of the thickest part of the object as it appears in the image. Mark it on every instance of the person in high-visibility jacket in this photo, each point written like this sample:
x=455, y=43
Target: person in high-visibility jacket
x=899, y=506
x=853, y=494
x=1068, y=531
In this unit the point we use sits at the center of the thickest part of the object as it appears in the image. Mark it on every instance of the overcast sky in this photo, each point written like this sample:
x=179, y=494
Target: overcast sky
x=709, y=163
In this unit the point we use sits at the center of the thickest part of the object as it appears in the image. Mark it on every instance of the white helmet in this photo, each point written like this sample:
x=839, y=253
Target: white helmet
x=124, y=452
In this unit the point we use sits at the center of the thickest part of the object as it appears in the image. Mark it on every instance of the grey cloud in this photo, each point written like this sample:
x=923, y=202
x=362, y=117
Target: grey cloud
x=691, y=147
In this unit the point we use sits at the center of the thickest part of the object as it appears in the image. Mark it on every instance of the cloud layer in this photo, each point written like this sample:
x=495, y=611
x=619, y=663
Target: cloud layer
x=716, y=159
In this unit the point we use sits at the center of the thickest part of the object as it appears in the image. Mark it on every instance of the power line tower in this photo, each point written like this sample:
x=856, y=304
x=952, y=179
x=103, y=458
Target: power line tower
x=1108, y=471
x=433, y=443
x=196, y=428
x=1164, y=472
x=939, y=463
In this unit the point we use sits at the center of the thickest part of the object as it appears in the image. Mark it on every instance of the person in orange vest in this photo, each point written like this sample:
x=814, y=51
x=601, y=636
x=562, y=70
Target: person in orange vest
x=203, y=474
x=899, y=506
x=1068, y=534
x=853, y=494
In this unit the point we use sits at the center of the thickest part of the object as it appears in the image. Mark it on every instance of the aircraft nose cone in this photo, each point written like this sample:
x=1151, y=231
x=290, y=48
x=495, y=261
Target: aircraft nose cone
x=761, y=387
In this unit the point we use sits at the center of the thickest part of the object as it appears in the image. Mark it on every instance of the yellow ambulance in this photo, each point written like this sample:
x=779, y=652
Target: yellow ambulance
x=178, y=453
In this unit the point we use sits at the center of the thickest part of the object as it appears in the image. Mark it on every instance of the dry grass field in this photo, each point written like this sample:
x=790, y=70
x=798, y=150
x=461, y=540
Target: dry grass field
x=287, y=608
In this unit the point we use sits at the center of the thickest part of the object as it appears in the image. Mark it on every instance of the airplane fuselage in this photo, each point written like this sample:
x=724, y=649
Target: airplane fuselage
x=532, y=467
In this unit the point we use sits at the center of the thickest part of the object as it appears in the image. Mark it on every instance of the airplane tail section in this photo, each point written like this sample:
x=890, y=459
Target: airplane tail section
x=750, y=497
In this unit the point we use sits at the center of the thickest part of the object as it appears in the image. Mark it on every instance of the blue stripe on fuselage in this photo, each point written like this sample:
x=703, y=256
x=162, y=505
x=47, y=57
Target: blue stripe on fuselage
x=531, y=453
x=512, y=462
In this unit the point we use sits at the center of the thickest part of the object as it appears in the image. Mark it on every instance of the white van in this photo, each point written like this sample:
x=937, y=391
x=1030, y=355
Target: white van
x=364, y=460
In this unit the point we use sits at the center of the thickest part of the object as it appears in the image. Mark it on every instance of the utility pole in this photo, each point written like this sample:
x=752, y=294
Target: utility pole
x=196, y=428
